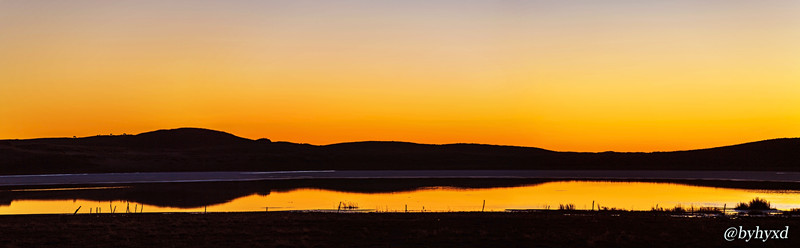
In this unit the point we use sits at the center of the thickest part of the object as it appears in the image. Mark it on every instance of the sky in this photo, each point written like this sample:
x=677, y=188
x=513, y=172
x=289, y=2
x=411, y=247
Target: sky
x=581, y=75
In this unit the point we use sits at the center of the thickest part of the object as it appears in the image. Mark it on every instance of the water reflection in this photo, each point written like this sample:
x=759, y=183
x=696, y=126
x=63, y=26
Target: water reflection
x=193, y=195
x=391, y=195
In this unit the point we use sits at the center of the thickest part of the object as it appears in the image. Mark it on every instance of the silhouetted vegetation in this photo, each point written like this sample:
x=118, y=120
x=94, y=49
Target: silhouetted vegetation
x=569, y=206
x=754, y=204
x=792, y=212
x=708, y=210
x=612, y=209
x=676, y=209
x=348, y=205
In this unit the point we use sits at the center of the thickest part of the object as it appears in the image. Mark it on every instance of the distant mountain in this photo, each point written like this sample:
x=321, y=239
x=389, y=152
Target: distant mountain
x=187, y=137
x=194, y=149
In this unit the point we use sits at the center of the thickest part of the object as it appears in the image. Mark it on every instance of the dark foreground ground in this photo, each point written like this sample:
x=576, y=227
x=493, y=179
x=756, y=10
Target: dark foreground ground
x=284, y=229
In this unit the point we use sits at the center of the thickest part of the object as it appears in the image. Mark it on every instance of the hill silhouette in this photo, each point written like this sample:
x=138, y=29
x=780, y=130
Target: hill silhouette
x=187, y=137
x=195, y=149
x=165, y=138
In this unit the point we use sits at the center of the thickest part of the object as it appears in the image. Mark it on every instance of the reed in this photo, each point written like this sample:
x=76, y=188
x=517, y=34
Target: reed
x=709, y=210
x=676, y=209
x=349, y=205
x=566, y=206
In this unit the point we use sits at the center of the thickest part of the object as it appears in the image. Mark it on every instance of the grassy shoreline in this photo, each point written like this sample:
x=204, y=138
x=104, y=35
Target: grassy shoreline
x=312, y=229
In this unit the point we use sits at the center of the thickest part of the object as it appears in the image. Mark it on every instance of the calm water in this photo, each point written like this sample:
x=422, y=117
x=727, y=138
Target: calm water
x=625, y=195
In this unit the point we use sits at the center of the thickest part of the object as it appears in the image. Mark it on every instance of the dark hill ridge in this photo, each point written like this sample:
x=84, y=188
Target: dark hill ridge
x=188, y=137
x=165, y=138
x=194, y=149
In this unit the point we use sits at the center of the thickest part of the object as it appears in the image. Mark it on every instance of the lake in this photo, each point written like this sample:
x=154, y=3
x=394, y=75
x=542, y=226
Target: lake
x=396, y=195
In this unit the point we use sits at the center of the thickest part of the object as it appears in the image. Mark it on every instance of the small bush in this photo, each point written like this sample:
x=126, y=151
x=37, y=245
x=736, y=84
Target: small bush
x=754, y=204
x=566, y=206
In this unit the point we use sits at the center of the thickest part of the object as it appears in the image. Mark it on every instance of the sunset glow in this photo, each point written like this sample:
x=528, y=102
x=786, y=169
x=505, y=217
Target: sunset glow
x=562, y=75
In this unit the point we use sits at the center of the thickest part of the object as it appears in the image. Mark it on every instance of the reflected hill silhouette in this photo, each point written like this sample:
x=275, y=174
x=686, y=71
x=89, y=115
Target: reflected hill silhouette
x=193, y=195
x=179, y=195
x=195, y=149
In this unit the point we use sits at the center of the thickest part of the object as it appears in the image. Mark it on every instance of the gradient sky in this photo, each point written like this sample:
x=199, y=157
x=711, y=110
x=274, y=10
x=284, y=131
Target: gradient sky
x=583, y=75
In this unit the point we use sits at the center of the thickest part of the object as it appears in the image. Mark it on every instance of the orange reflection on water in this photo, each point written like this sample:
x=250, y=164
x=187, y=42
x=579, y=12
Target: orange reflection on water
x=625, y=195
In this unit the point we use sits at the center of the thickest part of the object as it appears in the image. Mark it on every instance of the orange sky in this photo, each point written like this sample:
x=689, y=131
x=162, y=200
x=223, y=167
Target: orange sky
x=563, y=75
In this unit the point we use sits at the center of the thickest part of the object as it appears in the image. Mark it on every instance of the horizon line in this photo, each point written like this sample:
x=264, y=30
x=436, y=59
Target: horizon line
x=398, y=141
